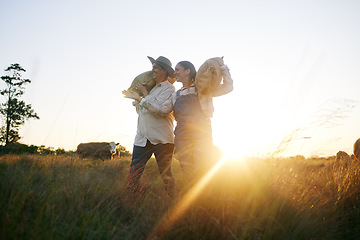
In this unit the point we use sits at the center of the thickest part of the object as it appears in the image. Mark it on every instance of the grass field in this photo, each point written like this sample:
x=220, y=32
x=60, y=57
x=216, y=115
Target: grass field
x=61, y=197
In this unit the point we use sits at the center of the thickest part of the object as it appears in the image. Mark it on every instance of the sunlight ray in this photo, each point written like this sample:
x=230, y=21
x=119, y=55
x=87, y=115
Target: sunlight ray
x=184, y=203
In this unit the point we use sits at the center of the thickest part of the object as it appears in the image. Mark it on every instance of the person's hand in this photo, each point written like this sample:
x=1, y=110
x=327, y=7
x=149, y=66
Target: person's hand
x=124, y=92
x=142, y=89
x=219, y=60
x=132, y=95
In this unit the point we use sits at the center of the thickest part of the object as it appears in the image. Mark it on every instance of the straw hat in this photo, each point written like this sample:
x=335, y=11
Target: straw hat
x=164, y=63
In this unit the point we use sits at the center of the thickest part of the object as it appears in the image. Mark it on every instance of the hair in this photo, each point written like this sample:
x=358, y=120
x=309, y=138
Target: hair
x=188, y=65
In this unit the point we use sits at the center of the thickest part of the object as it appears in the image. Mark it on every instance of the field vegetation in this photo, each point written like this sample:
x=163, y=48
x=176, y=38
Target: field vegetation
x=62, y=197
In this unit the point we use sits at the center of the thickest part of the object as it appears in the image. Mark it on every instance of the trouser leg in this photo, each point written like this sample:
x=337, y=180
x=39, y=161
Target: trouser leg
x=140, y=157
x=164, y=154
x=184, y=151
x=203, y=154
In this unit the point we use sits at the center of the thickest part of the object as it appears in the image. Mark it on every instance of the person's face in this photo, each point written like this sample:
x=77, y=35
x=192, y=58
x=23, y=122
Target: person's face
x=181, y=74
x=159, y=74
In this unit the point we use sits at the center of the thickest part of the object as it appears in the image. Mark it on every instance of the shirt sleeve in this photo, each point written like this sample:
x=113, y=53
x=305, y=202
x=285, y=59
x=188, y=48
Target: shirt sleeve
x=136, y=105
x=159, y=104
x=227, y=85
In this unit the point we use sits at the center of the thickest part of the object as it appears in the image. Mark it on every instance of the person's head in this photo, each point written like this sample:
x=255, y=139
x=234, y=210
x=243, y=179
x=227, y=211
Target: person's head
x=185, y=72
x=161, y=68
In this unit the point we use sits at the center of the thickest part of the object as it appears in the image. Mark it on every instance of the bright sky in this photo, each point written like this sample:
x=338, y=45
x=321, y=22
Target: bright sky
x=295, y=65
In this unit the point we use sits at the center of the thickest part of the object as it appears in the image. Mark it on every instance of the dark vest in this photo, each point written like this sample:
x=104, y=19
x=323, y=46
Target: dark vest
x=191, y=120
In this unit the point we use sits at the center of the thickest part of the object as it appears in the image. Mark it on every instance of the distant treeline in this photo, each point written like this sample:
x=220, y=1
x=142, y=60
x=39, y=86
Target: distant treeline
x=19, y=148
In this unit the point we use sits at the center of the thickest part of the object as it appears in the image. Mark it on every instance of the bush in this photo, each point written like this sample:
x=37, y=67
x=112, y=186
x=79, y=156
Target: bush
x=18, y=148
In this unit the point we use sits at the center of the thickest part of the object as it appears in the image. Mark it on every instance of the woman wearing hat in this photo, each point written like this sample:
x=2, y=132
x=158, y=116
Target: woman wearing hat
x=154, y=132
x=193, y=133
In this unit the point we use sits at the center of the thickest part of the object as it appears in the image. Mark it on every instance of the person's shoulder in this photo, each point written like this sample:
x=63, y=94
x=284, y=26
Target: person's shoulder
x=168, y=85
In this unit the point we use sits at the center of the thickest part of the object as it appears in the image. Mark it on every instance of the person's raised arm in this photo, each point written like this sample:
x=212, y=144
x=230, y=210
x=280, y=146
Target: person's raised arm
x=227, y=85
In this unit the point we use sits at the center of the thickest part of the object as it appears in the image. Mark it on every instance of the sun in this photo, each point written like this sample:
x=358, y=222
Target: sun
x=240, y=132
x=232, y=143
x=229, y=151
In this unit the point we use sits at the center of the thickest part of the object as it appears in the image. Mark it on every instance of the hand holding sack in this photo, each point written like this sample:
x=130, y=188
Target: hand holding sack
x=209, y=76
x=146, y=79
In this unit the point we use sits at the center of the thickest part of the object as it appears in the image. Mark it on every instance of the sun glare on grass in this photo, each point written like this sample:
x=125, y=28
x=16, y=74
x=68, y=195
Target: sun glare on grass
x=180, y=208
x=185, y=202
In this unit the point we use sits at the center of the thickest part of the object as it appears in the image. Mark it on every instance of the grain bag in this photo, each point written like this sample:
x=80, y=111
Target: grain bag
x=208, y=77
x=146, y=79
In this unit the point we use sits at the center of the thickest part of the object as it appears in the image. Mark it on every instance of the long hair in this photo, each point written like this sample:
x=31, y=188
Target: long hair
x=188, y=65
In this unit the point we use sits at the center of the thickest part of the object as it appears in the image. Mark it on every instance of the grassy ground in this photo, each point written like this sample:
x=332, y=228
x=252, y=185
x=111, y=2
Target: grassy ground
x=59, y=197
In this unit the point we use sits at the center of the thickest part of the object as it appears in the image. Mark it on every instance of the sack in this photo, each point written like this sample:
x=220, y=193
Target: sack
x=146, y=79
x=208, y=77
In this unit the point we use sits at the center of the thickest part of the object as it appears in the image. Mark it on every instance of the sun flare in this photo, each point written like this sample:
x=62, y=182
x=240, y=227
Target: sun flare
x=184, y=203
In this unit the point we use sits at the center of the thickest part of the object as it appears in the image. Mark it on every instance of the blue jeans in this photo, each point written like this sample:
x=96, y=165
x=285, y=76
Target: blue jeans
x=141, y=155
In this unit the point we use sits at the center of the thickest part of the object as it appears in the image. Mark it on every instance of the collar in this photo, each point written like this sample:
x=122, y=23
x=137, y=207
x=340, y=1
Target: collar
x=162, y=83
x=191, y=86
x=190, y=89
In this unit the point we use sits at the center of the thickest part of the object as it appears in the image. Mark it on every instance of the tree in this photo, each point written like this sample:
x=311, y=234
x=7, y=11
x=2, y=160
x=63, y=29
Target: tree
x=14, y=110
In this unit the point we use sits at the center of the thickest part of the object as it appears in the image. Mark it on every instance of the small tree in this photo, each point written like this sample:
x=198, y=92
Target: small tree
x=14, y=110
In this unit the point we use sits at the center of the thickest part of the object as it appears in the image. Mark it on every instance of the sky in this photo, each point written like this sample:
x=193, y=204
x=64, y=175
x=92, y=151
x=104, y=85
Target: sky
x=295, y=66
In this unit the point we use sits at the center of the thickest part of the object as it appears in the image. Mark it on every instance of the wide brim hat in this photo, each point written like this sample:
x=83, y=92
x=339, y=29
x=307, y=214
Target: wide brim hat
x=164, y=63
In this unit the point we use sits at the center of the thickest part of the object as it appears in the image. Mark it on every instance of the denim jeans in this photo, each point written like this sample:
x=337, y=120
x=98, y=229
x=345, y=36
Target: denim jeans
x=141, y=155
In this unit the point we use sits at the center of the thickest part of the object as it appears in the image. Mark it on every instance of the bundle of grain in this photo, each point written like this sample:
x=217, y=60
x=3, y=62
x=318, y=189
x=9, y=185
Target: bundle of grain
x=208, y=77
x=146, y=79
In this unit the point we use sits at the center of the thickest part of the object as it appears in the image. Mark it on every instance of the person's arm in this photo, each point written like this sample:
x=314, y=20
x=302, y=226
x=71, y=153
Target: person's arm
x=157, y=105
x=227, y=85
x=133, y=95
x=161, y=103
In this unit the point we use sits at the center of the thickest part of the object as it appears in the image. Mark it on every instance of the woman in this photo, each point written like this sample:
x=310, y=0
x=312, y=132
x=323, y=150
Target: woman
x=193, y=132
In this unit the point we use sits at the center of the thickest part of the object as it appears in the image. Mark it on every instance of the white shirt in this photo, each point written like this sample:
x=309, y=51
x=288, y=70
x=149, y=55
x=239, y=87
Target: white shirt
x=152, y=126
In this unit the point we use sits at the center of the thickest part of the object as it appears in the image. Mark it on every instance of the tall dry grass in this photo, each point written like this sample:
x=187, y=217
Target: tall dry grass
x=58, y=197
